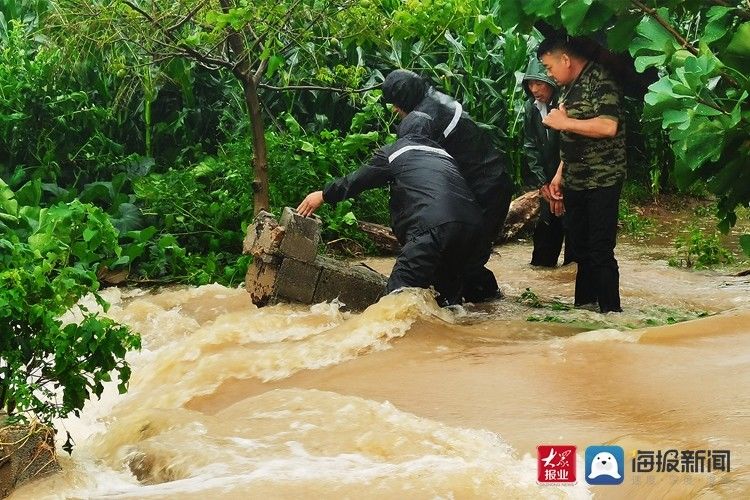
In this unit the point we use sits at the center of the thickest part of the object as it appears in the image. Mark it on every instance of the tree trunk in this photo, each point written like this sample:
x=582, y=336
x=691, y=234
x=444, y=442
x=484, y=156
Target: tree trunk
x=260, y=148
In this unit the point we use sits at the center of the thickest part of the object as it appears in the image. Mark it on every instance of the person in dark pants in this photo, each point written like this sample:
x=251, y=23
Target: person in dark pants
x=592, y=170
x=541, y=147
x=433, y=212
x=479, y=161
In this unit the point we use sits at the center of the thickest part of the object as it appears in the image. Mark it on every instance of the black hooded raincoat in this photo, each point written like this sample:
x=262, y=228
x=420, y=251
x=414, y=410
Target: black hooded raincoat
x=433, y=212
x=479, y=161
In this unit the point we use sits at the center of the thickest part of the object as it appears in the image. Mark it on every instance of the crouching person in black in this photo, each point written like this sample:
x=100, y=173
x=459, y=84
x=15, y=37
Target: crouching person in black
x=433, y=212
x=478, y=160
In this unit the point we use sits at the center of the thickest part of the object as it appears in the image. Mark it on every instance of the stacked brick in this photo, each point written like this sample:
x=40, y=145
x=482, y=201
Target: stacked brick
x=286, y=266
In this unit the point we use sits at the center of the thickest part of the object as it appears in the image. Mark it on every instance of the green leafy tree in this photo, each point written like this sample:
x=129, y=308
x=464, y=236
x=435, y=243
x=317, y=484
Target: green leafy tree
x=253, y=41
x=47, y=264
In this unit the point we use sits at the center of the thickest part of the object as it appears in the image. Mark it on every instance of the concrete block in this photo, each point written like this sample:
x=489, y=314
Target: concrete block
x=301, y=236
x=260, y=281
x=297, y=280
x=263, y=237
x=356, y=286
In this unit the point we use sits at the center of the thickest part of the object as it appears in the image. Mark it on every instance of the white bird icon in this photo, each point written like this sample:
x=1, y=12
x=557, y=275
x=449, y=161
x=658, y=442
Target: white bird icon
x=548, y=460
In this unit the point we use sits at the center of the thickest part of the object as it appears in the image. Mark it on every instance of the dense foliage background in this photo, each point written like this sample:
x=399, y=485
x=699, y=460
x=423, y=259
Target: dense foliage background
x=141, y=107
x=160, y=119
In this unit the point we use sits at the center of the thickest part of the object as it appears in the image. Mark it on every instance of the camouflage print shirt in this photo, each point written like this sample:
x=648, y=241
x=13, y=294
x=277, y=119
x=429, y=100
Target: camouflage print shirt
x=593, y=163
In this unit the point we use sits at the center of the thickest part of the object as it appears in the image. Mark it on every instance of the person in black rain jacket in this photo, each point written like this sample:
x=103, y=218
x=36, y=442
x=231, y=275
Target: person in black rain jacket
x=433, y=212
x=541, y=147
x=479, y=161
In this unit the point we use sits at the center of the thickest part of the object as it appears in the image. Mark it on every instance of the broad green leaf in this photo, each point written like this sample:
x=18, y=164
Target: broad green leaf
x=484, y=24
x=349, y=219
x=740, y=43
x=653, y=45
x=745, y=244
x=540, y=8
x=30, y=194
x=122, y=261
x=96, y=191
x=129, y=218
x=697, y=141
x=512, y=14
x=573, y=12
x=292, y=124
x=8, y=203
x=274, y=62
x=674, y=117
x=642, y=63
x=718, y=25
x=702, y=109
x=143, y=235
x=622, y=33
x=598, y=16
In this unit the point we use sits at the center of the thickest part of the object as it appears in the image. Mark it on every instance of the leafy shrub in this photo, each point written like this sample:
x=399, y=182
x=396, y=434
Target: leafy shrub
x=200, y=211
x=47, y=265
x=699, y=250
x=529, y=298
x=52, y=126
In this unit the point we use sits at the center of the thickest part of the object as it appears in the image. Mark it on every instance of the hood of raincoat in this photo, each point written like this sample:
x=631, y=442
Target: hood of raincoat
x=536, y=71
x=416, y=123
x=404, y=89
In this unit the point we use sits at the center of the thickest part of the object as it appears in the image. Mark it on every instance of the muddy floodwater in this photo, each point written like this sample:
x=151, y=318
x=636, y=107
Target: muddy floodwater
x=406, y=400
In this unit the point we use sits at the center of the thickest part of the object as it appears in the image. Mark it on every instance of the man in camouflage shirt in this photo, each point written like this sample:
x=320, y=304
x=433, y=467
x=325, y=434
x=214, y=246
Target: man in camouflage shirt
x=592, y=167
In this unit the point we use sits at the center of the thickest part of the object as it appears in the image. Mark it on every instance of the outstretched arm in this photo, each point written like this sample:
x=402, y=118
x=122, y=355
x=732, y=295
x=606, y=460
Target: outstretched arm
x=375, y=173
x=310, y=204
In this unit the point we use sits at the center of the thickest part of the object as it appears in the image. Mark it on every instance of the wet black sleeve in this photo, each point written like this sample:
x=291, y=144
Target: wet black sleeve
x=535, y=177
x=375, y=173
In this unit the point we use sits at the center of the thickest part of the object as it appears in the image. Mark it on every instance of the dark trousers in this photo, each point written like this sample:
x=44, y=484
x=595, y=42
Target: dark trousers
x=592, y=223
x=493, y=196
x=549, y=235
x=437, y=257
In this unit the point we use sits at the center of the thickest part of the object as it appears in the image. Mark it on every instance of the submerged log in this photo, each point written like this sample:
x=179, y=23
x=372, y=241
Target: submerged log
x=382, y=236
x=522, y=217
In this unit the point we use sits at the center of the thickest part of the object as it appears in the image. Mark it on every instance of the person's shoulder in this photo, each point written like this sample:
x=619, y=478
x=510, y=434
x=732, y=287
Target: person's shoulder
x=600, y=72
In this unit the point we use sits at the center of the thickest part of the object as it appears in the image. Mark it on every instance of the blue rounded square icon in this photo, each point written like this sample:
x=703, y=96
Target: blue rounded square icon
x=605, y=465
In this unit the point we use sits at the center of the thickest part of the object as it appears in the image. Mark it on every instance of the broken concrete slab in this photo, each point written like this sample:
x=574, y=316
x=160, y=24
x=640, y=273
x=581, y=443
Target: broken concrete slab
x=302, y=235
x=297, y=280
x=285, y=267
x=260, y=281
x=356, y=286
x=263, y=237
